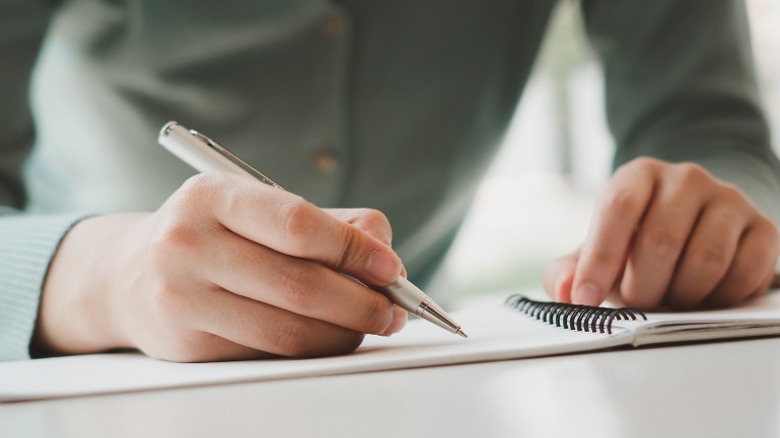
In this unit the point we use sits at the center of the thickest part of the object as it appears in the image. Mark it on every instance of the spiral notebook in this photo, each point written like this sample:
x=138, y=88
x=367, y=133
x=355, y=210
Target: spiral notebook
x=520, y=328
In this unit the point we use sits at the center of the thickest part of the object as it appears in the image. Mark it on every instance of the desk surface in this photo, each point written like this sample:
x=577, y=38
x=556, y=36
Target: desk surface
x=727, y=389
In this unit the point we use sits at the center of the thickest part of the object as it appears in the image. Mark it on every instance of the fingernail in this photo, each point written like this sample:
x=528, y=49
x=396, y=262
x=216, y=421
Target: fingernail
x=383, y=267
x=587, y=294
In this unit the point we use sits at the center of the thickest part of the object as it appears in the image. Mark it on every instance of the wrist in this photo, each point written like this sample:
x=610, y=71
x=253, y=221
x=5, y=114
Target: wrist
x=78, y=309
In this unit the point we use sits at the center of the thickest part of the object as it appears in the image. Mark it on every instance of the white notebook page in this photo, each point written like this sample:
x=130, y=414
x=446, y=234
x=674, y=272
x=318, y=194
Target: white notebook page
x=495, y=333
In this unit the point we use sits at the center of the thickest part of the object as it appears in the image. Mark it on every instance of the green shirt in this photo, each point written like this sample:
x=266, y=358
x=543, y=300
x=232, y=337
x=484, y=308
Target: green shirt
x=395, y=105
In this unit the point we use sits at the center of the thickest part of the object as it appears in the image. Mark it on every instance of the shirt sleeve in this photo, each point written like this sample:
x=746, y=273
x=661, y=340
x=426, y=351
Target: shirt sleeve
x=680, y=86
x=27, y=242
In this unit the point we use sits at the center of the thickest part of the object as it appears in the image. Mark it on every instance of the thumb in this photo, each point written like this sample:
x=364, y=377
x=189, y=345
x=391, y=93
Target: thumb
x=559, y=275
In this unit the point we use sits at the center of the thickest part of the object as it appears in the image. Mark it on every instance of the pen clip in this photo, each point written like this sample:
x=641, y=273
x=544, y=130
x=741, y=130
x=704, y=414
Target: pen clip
x=218, y=148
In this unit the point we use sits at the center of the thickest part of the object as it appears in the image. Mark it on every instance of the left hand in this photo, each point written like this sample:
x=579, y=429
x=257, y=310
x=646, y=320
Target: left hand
x=669, y=234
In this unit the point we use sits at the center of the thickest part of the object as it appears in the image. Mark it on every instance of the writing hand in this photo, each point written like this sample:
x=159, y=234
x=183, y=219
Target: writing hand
x=228, y=268
x=669, y=234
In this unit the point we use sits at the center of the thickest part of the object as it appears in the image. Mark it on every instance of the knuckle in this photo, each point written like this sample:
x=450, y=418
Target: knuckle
x=194, y=199
x=767, y=226
x=290, y=337
x=298, y=220
x=709, y=260
x=690, y=173
x=174, y=236
x=166, y=300
x=731, y=192
x=377, y=224
x=299, y=287
x=199, y=187
x=374, y=217
x=170, y=244
x=620, y=201
x=658, y=242
x=732, y=195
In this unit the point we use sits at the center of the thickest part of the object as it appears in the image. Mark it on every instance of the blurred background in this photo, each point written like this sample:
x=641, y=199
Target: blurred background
x=536, y=201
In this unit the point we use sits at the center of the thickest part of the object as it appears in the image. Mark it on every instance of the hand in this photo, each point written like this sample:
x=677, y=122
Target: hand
x=228, y=268
x=669, y=234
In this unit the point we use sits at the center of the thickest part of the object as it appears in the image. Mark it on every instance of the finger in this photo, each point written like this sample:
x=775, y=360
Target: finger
x=400, y=318
x=707, y=256
x=269, y=329
x=617, y=214
x=559, y=275
x=753, y=262
x=661, y=236
x=613, y=295
x=297, y=285
x=373, y=222
x=765, y=285
x=206, y=347
x=289, y=224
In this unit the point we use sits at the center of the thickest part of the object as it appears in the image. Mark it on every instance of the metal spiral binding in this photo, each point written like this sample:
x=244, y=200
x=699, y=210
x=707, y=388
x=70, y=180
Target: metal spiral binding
x=574, y=316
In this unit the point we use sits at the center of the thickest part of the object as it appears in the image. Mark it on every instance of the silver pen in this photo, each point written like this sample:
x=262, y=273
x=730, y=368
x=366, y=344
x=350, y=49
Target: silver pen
x=206, y=155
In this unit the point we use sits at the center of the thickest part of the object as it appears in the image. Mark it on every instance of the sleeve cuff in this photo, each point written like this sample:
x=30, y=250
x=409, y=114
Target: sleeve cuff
x=27, y=245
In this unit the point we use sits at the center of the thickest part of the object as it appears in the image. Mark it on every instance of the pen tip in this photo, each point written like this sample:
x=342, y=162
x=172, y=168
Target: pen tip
x=460, y=332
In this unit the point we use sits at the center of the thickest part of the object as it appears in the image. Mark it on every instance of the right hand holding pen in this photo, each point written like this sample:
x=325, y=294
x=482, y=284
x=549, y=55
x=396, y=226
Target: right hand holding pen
x=228, y=268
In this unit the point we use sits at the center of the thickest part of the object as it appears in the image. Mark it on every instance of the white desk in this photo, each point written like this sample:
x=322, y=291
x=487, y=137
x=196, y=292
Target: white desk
x=712, y=390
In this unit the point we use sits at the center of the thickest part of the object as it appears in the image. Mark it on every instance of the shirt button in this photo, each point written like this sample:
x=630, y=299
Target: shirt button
x=325, y=161
x=333, y=27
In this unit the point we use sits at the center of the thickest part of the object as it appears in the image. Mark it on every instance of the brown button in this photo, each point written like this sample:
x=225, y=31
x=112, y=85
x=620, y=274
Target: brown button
x=333, y=27
x=325, y=161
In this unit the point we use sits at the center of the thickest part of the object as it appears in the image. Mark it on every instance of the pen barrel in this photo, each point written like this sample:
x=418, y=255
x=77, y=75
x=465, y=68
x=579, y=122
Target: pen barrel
x=180, y=142
x=405, y=294
x=206, y=155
